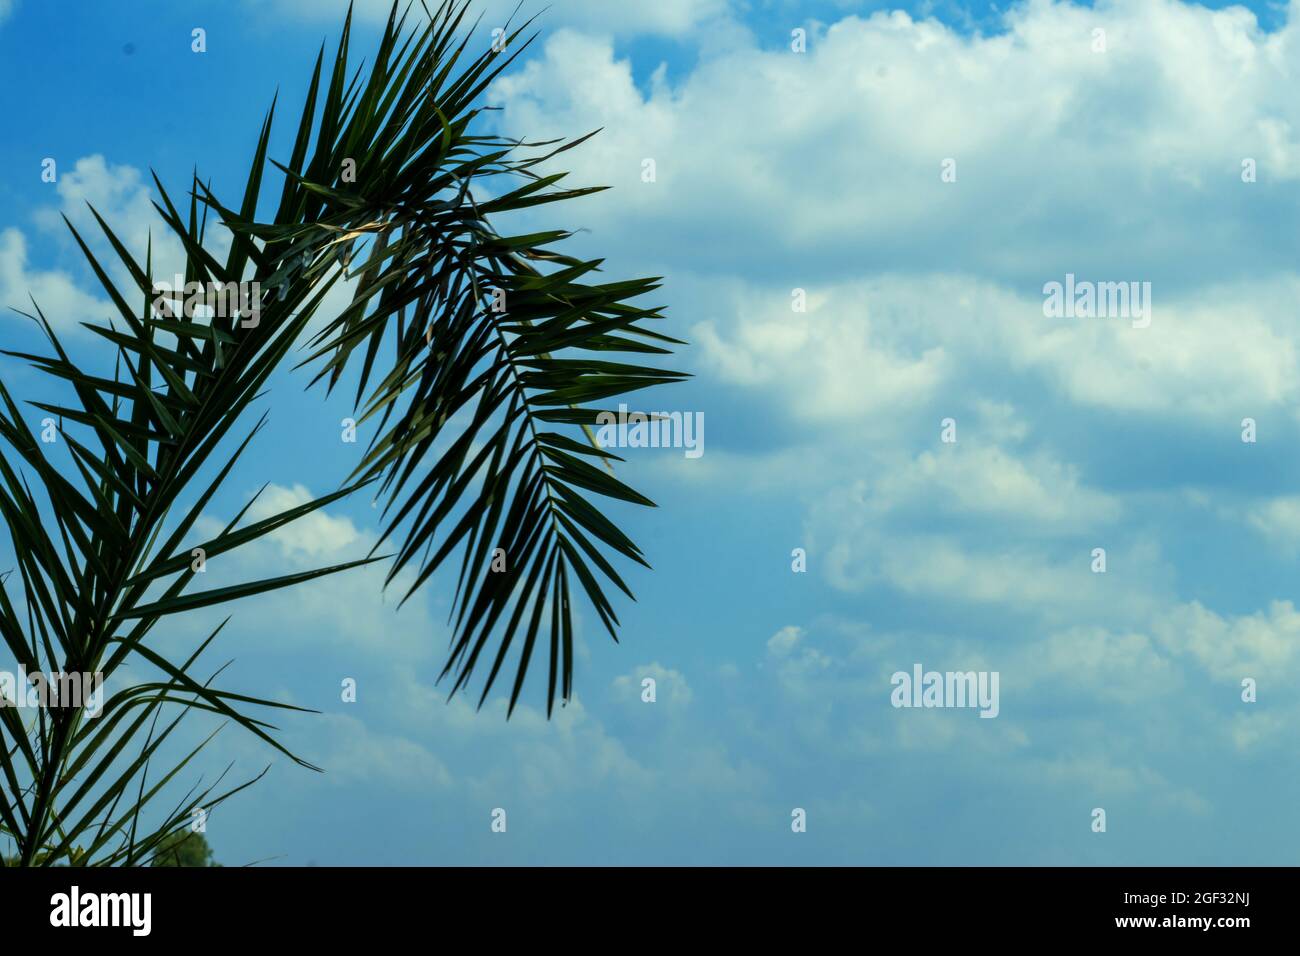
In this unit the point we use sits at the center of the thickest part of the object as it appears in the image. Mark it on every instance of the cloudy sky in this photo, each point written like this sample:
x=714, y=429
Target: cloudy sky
x=920, y=172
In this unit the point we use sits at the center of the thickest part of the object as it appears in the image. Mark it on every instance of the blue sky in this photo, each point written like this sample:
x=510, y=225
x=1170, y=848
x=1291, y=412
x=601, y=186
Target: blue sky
x=817, y=171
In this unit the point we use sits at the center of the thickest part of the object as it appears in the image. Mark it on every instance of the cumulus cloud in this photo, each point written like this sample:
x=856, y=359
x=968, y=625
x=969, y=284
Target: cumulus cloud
x=351, y=751
x=1230, y=648
x=316, y=535
x=828, y=168
x=58, y=296
x=120, y=194
x=404, y=730
x=974, y=521
x=671, y=688
x=870, y=352
x=1278, y=519
x=124, y=200
x=925, y=297
x=783, y=641
x=837, y=362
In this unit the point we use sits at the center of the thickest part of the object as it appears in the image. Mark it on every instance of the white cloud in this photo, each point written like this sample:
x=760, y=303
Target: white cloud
x=1205, y=355
x=870, y=351
x=831, y=159
x=1120, y=667
x=346, y=610
x=314, y=536
x=118, y=192
x=987, y=480
x=797, y=663
x=671, y=689
x=974, y=522
x=1105, y=777
x=1253, y=730
x=924, y=297
x=783, y=641
x=353, y=752
x=120, y=195
x=59, y=298
x=1264, y=645
x=847, y=364
x=388, y=733
x=1278, y=519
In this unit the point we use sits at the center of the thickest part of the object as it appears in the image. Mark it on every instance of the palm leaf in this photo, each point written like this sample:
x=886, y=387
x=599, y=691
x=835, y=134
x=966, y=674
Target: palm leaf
x=479, y=415
x=464, y=414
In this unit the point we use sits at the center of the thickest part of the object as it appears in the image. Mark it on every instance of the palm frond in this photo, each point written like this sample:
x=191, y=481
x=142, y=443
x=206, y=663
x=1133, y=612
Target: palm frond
x=492, y=340
x=498, y=365
x=92, y=547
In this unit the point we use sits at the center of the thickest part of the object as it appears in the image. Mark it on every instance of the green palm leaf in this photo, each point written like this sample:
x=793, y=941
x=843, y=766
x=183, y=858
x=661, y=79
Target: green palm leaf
x=471, y=352
x=464, y=412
